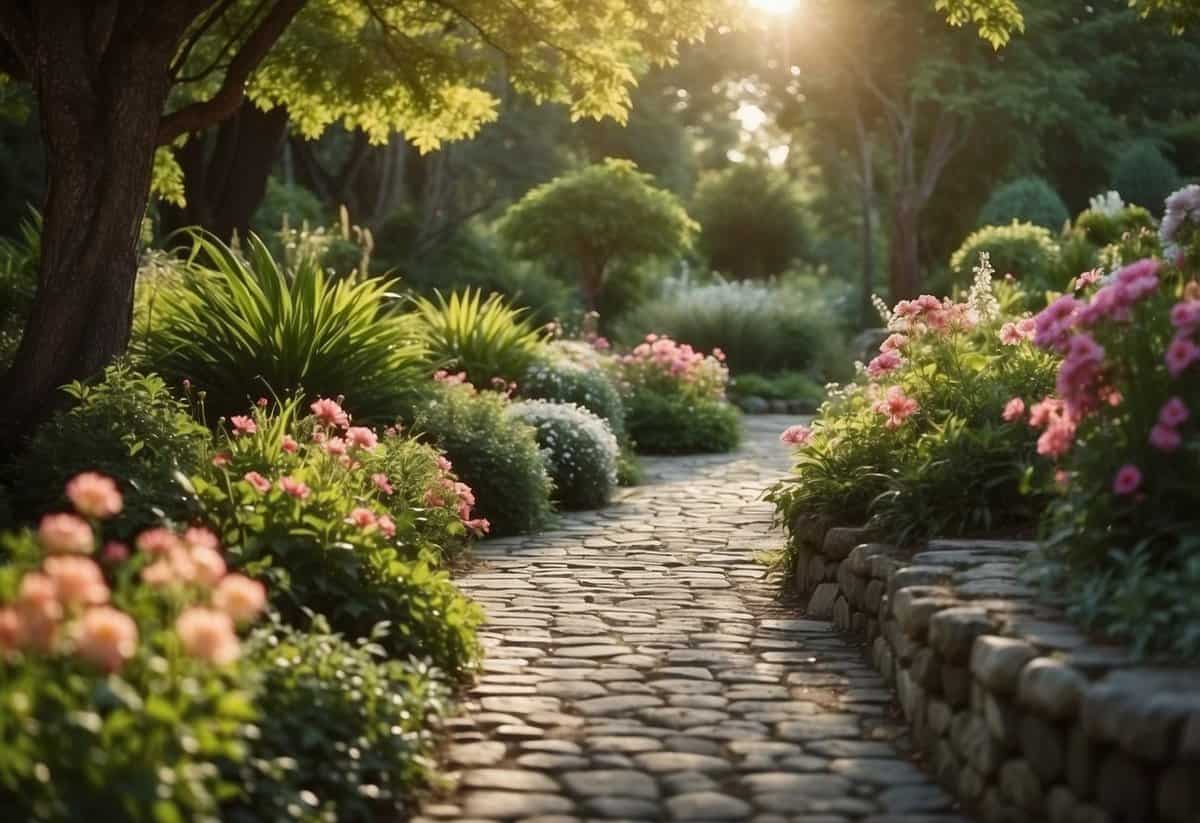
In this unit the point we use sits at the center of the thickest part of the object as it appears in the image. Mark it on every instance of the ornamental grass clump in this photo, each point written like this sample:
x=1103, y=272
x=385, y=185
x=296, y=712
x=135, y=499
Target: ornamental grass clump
x=580, y=449
x=917, y=443
x=1120, y=430
x=124, y=690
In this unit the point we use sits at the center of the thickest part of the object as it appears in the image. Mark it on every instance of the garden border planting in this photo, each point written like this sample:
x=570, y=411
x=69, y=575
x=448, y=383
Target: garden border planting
x=1020, y=714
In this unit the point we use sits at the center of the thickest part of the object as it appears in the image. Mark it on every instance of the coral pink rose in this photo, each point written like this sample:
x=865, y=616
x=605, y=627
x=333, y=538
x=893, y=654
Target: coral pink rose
x=361, y=437
x=207, y=634
x=39, y=610
x=1014, y=410
x=387, y=526
x=240, y=597
x=289, y=444
x=294, y=487
x=158, y=541
x=896, y=406
x=330, y=413
x=95, y=495
x=243, y=425
x=362, y=517
x=66, y=534
x=106, y=637
x=77, y=580
x=208, y=567
x=11, y=631
x=382, y=483
x=260, y=484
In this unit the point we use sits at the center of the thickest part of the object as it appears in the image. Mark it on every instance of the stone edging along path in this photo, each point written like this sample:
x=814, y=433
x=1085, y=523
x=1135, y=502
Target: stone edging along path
x=640, y=667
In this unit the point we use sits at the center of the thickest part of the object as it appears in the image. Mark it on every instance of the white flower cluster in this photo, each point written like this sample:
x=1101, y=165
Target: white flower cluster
x=1109, y=204
x=576, y=442
x=981, y=298
x=1182, y=207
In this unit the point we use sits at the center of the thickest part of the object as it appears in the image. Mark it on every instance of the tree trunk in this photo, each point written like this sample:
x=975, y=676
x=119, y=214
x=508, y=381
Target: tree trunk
x=866, y=306
x=99, y=122
x=905, y=265
x=591, y=282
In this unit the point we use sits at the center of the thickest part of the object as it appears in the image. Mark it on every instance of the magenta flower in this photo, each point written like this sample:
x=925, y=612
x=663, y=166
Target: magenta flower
x=885, y=363
x=1128, y=480
x=1185, y=315
x=1180, y=354
x=1174, y=413
x=1165, y=438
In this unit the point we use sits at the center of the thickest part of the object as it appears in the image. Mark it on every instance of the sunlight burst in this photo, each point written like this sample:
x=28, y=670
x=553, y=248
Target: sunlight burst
x=774, y=7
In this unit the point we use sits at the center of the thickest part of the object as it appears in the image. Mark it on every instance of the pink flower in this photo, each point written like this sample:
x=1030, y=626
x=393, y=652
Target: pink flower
x=796, y=435
x=1079, y=373
x=330, y=413
x=243, y=425
x=1057, y=439
x=94, y=495
x=294, y=487
x=66, y=534
x=479, y=526
x=720, y=355
x=262, y=403
x=362, y=517
x=261, y=484
x=1014, y=334
x=1052, y=326
x=1165, y=438
x=894, y=342
x=208, y=567
x=382, y=483
x=107, y=637
x=207, y=635
x=456, y=379
x=1087, y=278
x=39, y=610
x=1174, y=413
x=114, y=553
x=886, y=362
x=11, y=631
x=240, y=597
x=1180, y=354
x=335, y=446
x=601, y=344
x=289, y=444
x=1128, y=480
x=158, y=541
x=1045, y=411
x=1141, y=270
x=1185, y=315
x=444, y=464
x=77, y=580
x=361, y=437
x=896, y=406
x=1014, y=410
x=221, y=459
x=387, y=526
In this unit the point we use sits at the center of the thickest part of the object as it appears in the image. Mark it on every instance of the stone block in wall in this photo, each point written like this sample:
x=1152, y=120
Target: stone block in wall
x=883, y=567
x=1083, y=761
x=1021, y=786
x=974, y=743
x=1044, y=746
x=997, y=662
x=802, y=580
x=858, y=624
x=841, y=540
x=853, y=586
x=926, y=669
x=915, y=605
x=1003, y=720
x=956, y=685
x=1051, y=687
x=1125, y=789
x=946, y=765
x=1144, y=710
x=910, y=695
x=939, y=715
x=1189, y=740
x=860, y=556
x=808, y=530
x=1088, y=813
x=820, y=604
x=841, y=614
x=903, y=646
x=953, y=631
x=873, y=596
x=1060, y=805
x=1178, y=793
x=994, y=808
x=971, y=785
x=910, y=576
x=816, y=571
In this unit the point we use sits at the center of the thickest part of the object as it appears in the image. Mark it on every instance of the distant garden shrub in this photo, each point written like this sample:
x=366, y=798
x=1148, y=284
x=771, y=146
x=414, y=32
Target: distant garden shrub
x=679, y=424
x=494, y=453
x=753, y=223
x=760, y=327
x=488, y=339
x=1108, y=218
x=1027, y=199
x=781, y=386
x=290, y=203
x=559, y=380
x=581, y=451
x=1144, y=176
x=342, y=730
x=127, y=426
x=1024, y=250
x=239, y=327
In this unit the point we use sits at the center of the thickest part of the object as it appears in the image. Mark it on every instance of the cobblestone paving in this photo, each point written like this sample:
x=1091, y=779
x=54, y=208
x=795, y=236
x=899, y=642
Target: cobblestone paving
x=639, y=668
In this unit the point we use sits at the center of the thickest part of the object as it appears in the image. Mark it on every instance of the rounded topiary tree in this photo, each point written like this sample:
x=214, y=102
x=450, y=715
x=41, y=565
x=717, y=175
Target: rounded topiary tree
x=1029, y=199
x=1144, y=175
x=1022, y=249
x=595, y=216
x=752, y=221
x=580, y=451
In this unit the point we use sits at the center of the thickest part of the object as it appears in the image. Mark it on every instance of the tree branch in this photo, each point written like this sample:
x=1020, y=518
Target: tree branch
x=225, y=102
x=197, y=33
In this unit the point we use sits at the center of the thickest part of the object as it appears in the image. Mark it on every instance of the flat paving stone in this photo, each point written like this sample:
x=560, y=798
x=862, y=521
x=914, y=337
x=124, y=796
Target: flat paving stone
x=640, y=667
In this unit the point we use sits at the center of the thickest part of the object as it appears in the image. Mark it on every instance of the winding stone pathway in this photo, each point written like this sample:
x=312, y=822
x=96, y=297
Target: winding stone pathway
x=640, y=668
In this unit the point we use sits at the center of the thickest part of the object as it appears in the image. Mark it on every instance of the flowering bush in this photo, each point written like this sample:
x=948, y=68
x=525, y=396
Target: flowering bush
x=562, y=381
x=120, y=678
x=314, y=505
x=494, y=453
x=918, y=441
x=1022, y=249
x=663, y=366
x=1120, y=428
x=580, y=451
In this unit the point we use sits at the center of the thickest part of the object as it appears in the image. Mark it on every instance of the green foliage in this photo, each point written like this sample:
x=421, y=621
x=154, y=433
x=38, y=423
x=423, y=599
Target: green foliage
x=1024, y=250
x=1103, y=228
x=792, y=386
x=127, y=426
x=679, y=424
x=237, y=328
x=996, y=20
x=1144, y=176
x=1028, y=199
x=752, y=221
x=559, y=380
x=488, y=339
x=166, y=181
x=19, y=258
x=287, y=204
x=494, y=453
x=594, y=217
x=761, y=327
x=580, y=450
x=342, y=730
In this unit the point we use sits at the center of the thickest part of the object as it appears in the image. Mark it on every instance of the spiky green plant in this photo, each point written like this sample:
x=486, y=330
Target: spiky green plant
x=488, y=339
x=237, y=325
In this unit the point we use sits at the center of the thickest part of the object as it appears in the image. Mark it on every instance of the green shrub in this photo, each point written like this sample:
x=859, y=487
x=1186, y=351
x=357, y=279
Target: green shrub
x=760, y=327
x=562, y=381
x=1029, y=200
x=18, y=281
x=1024, y=250
x=290, y=203
x=488, y=339
x=341, y=732
x=782, y=386
x=127, y=426
x=678, y=424
x=240, y=328
x=1103, y=228
x=1144, y=176
x=309, y=518
x=753, y=223
x=1078, y=254
x=581, y=451
x=494, y=453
